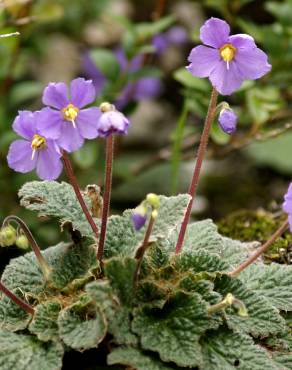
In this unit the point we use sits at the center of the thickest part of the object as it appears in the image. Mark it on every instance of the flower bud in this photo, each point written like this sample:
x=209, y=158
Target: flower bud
x=7, y=236
x=106, y=107
x=22, y=242
x=139, y=217
x=153, y=200
x=227, y=120
x=287, y=205
x=111, y=121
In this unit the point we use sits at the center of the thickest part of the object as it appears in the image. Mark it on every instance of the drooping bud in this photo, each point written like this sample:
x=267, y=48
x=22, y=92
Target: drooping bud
x=227, y=120
x=7, y=236
x=22, y=242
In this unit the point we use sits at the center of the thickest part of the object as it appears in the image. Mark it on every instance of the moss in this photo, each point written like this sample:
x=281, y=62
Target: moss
x=246, y=225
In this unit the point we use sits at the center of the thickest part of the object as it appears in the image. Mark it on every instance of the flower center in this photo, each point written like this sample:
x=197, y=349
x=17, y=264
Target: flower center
x=38, y=142
x=70, y=113
x=227, y=53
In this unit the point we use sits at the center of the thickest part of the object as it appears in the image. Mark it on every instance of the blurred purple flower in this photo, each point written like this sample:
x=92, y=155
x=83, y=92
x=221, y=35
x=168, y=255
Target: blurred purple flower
x=37, y=150
x=141, y=89
x=93, y=73
x=176, y=35
x=287, y=205
x=228, y=120
x=111, y=121
x=226, y=60
x=68, y=122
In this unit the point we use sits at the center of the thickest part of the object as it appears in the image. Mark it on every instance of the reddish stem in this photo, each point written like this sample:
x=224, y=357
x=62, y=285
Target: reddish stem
x=200, y=156
x=260, y=250
x=34, y=245
x=72, y=178
x=107, y=194
x=25, y=306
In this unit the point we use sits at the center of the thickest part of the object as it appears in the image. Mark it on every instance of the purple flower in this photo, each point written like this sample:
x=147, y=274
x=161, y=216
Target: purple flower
x=287, y=205
x=36, y=151
x=111, y=121
x=141, y=89
x=139, y=220
x=174, y=36
x=68, y=122
x=227, y=120
x=226, y=60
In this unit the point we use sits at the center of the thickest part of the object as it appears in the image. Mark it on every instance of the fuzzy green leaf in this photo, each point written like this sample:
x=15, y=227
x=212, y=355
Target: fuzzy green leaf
x=136, y=359
x=44, y=323
x=174, y=331
x=263, y=319
x=120, y=273
x=226, y=350
x=203, y=235
x=68, y=262
x=283, y=360
x=118, y=317
x=123, y=239
x=54, y=199
x=198, y=261
x=13, y=317
x=22, y=352
x=274, y=282
x=82, y=325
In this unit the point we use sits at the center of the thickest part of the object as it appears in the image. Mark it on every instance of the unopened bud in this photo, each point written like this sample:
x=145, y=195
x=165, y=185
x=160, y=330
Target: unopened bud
x=7, y=236
x=22, y=242
x=106, y=107
x=153, y=200
x=154, y=214
x=139, y=217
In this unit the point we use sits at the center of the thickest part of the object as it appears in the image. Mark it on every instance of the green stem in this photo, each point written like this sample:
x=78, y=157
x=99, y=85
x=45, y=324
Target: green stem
x=197, y=170
x=107, y=194
x=34, y=245
x=142, y=249
x=260, y=250
x=176, y=148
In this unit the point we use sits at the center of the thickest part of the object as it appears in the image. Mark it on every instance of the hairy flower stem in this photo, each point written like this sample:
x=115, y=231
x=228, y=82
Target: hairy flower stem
x=25, y=306
x=142, y=249
x=34, y=245
x=72, y=178
x=107, y=194
x=200, y=156
x=260, y=250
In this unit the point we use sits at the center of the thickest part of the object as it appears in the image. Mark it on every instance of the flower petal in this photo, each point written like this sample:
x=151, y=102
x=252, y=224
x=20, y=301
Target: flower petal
x=87, y=122
x=49, y=123
x=214, y=32
x=252, y=63
x=25, y=124
x=82, y=92
x=226, y=81
x=19, y=156
x=56, y=95
x=49, y=164
x=242, y=41
x=70, y=139
x=203, y=60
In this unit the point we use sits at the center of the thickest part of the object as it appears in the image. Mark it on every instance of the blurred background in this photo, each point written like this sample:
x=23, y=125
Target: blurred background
x=136, y=53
